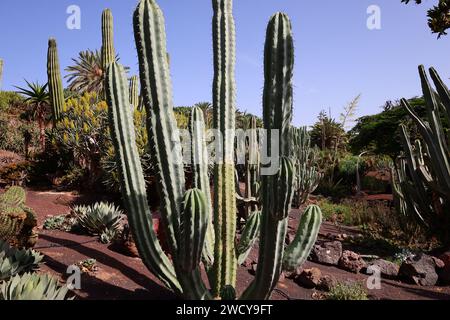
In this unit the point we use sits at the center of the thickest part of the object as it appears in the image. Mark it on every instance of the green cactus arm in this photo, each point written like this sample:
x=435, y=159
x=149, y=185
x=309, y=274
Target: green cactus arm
x=308, y=230
x=107, y=51
x=193, y=227
x=199, y=164
x=439, y=150
x=442, y=90
x=224, y=101
x=132, y=178
x=156, y=85
x=55, y=86
x=249, y=236
x=134, y=92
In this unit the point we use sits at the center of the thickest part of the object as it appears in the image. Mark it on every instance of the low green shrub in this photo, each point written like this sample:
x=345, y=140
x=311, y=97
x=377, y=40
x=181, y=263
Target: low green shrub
x=348, y=291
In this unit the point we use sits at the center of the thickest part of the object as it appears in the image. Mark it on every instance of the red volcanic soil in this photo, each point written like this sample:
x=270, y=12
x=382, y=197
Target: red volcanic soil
x=123, y=277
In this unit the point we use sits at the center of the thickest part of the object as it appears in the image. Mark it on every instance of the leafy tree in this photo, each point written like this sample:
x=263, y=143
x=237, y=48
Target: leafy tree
x=379, y=133
x=327, y=133
x=438, y=16
x=37, y=97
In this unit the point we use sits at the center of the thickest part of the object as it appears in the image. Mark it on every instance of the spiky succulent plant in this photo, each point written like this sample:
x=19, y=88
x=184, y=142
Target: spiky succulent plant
x=101, y=219
x=15, y=261
x=32, y=286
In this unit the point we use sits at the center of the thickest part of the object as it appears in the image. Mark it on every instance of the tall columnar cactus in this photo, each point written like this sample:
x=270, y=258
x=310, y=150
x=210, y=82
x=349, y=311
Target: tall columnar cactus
x=1, y=73
x=108, y=52
x=55, y=86
x=186, y=215
x=224, y=104
x=423, y=173
x=249, y=202
x=134, y=92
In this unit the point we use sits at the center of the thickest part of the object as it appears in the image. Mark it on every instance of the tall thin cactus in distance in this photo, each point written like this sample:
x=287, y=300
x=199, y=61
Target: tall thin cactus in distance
x=1, y=73
x=55, y=86
x=108, y=52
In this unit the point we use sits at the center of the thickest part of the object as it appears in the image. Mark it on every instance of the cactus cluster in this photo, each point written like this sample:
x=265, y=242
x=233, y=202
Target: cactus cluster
x=198, y=229
x=17, y=221
x=422, y=174
x=308, y=175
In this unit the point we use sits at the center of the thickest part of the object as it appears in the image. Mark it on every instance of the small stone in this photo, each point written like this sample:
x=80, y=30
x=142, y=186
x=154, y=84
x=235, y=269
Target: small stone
x=421, y=270
x=351, y=261
x=327, y=253
x=309, y=278
x=388, y=270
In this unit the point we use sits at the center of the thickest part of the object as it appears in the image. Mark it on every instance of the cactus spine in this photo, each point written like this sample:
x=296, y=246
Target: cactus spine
x=224, y=97
x=55, y=86
x=134, y=92
x=108, y=51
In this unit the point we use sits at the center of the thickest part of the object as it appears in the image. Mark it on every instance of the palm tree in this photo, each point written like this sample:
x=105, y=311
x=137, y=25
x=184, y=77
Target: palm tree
x=87, y=74
x=206, y=107
x=37, y=97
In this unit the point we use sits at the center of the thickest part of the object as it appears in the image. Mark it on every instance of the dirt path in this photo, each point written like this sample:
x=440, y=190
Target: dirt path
x=123, y=277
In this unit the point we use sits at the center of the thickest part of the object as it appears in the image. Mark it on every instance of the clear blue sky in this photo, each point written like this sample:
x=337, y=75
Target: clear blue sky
x=337, y=56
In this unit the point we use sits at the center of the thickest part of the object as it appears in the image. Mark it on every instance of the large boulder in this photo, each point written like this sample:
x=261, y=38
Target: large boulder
x=421, y=270
x=351, y=261
x=327, y=253
x=388, y=270
x=309, y=278
x=444, y=273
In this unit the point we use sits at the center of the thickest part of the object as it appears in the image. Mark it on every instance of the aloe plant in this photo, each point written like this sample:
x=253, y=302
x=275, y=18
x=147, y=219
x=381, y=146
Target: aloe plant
x=186, y=215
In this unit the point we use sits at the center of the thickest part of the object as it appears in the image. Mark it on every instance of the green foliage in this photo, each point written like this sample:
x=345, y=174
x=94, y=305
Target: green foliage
x=348, y=291
x=16, y=261
x=33, y=287
x=9, y=100
x=327, y=133
x=101, y=219
x=438, y=16
x=380, y=133
x=63, y=222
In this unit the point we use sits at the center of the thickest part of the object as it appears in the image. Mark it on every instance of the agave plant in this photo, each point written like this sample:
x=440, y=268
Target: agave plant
x=101, y=219
x=33, y=287
x=15, y=261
